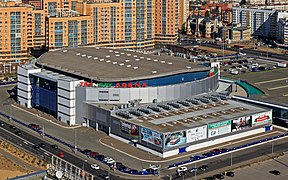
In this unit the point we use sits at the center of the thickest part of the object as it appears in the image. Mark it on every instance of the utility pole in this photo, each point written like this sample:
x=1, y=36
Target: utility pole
x=75, y=140
x=231, y=159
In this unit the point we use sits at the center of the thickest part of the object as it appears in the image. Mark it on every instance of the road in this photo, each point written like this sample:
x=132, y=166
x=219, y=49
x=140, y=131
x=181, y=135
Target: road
x=26, y=141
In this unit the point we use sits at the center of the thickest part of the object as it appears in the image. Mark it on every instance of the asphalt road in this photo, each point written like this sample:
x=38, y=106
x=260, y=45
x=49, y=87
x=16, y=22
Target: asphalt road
x=26, y=141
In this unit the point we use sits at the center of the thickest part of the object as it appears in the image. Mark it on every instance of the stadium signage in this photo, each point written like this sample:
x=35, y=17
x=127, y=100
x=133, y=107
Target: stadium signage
x=130, y=85
x=90, y=84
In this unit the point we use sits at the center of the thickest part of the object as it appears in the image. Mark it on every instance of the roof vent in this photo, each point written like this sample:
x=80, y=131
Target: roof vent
x=121, y=64
x=107, y=56
x=155, y=60
x=108, y=61
x=188, y=67
x=95, y=57
x=185, y=120
x=135, y=67
x=141, y=57
x=101, y=59
x=137, y=59
x=135, y=56
x=195, y=118
x=97, y=48
x=89, y=57
x=114, y=62
x=117, y=55
x=83, y=55
x=116, y=52
x=64, y=50
x=162, y=62
x=154, y=72
x=148, y=59
x=129, y=65
x=233, y=110
x=122, y=53
x=170, y=63
x=241, y=108
x=110, y=50
x=174, y=122
x=128, y=54
x=78, y=54
x=127, y=60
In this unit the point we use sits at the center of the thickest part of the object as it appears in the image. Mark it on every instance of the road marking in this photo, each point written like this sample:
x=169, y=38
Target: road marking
x=76, y=126
x=273, y=80
x=279, y=87
x=188, y=155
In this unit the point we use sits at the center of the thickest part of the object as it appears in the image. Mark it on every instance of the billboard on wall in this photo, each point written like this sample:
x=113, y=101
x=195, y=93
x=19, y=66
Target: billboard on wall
x=175, y=139
x=151, y=136
x=241, y=123
x=196, y=134
x=262, y=118
x=219, y=128
x=130, y=129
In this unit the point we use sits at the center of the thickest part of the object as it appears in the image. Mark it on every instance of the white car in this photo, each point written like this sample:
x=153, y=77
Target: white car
x=95, y=166
x=182, y=169
x=107, y=159
x=110, y=161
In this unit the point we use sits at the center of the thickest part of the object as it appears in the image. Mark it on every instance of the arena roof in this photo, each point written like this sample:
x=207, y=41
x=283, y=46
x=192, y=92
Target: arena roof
x=186, y=114
x=112, y=65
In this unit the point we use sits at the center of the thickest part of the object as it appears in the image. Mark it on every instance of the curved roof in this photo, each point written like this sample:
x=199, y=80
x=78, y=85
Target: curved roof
x=114, y=65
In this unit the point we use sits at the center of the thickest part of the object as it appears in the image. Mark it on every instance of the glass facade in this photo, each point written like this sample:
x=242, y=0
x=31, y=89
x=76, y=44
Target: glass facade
x=15, y=32
x=44, y=95
x=73, y=5
x=58, y=34
x=149, y=19
x=140, y=18
x=52, y=6
x=73, y=33
x=128, y=20
x=84, y=32
x=95, y=19
x=37, y=24
x=163, y=17
x=112, y=24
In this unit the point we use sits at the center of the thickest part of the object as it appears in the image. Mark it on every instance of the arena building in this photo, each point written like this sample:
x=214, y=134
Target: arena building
x=163, y=104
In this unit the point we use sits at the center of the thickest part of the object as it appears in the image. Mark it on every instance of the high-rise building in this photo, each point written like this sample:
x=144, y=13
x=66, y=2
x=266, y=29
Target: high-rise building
x=283, y=31
x=183, y=12
x=166, y=21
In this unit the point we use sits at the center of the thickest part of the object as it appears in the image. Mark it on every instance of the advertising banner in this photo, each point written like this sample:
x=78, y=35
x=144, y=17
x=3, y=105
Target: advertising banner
x=175, y=139
x=150, y=136
x=219, y=128
x=241, y=123
x=130, y=129
x=196, y=134
x=262, y=118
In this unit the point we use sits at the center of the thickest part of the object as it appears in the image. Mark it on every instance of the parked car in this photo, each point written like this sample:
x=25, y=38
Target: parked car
x=105, y=175
x=100, y=157
x=110, y=161
x=195, y=157
x=229, y=174
x=182, y=169
x=61, y=155
x=95, y=166
x=42, y=145
x=203, y=167
x=86, y=151
x=210, y=178
x=194, y=169
x=54, y=146
x=12, y=127
x=208, y=154
x=219, y=176
x=18, y=132
x=34, y=126
x=93, y=154
x=35, y=146
x=2, y=124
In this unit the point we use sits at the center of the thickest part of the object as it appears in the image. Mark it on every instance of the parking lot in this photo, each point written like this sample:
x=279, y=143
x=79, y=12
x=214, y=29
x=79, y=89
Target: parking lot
x=261, y=170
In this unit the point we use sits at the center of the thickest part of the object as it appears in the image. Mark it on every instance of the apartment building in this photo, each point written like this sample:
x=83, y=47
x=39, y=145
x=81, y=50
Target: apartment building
x=261, y=21
x=283, y=31
x=16, y=36
x=183, y=12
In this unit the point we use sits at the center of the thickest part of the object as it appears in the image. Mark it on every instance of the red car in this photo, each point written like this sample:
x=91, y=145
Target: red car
x=61, y=155
x=93, y=154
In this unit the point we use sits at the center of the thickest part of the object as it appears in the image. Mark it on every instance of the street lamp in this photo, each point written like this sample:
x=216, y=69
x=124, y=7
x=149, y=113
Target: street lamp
x=267, y=49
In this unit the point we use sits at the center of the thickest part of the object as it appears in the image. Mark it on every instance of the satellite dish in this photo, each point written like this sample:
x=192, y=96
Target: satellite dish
x=59, y=174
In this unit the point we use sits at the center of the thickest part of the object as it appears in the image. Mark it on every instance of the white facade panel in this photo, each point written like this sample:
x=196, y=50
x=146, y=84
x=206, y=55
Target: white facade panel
x=144, y=95
x=114, y=94
x=66, y=102
x=124, y=95
x=170, y=93
x=66, y=94
x=23, y=79
x=177, y=91
x=134, y=93
x=24, y=87
x=66, y=110
x=161, y=93
x=24, y=94
x=92, y=94
x=152, y=94
x=24, y=102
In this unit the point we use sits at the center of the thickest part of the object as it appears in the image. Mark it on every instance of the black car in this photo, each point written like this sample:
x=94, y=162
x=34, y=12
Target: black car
x=36, y=146
x=2, y=124
x=219, y=176
x=210, y=178
x=105, y=175
x=12, y=127
x=100, y=157
x=230, y=174
x=54, y=146
x=18, y=133
x=203, y=167
x=42, y=145
x=87, y=151
x=275, y=172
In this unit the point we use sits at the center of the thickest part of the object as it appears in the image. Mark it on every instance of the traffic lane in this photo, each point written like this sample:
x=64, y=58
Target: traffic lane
x=237, y=157
x=39, y=152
